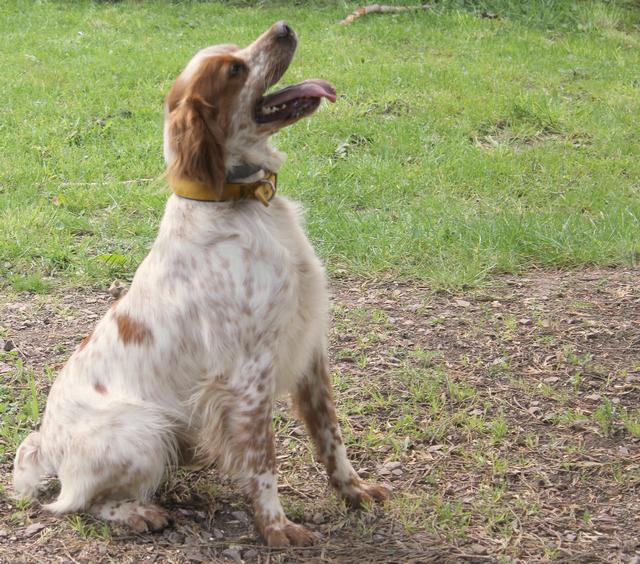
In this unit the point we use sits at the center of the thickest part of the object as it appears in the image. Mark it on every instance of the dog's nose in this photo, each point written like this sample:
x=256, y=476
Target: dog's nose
x=283, y=31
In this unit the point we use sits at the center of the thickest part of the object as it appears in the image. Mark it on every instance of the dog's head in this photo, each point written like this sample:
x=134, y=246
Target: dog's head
x=218, y=119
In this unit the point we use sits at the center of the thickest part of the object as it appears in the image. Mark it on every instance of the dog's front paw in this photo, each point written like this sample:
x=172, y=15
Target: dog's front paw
x=362, y=493
x=148, y=518
x=287, y=534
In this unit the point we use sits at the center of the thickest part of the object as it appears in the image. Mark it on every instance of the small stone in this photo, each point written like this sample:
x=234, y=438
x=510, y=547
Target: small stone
x=593, y=397
x=318, y=518
x=249, y=554
x=8, y=345
x=193, y=540
x=476, y=548
x=463, y=303
x=570, y=537
x=623, y=450
x=392, y=465
x=3, y=533
x=397, y=472
x=117, y=288
x=524, y=321
x=174, y=537
x=240, y=516
x=33, y=529
x=218, y=534
x=551, y=379
x=232, y=554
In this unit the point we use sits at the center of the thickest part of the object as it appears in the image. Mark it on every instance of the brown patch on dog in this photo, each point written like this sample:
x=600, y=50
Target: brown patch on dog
x=100, y=388
x=132, y=332
x=199, y=118
x=85, y=341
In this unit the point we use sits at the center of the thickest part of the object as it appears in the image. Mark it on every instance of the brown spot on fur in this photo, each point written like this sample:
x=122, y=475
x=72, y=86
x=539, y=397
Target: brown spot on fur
x=132, y=332
x=100, y=388
x=85, y=341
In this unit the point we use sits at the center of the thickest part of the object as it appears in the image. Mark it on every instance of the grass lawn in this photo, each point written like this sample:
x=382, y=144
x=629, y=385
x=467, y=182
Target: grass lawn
x=460, y=145
x=471, y=145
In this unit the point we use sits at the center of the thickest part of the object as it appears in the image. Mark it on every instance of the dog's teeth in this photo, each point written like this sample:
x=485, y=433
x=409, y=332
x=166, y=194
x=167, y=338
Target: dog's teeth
x=271, y=109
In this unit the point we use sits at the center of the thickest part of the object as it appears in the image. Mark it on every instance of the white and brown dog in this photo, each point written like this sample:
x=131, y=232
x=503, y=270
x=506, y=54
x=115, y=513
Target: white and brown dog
x=227, y=312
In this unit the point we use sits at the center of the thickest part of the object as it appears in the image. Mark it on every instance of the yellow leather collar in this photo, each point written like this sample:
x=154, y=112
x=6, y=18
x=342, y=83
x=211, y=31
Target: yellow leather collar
x=262, y=190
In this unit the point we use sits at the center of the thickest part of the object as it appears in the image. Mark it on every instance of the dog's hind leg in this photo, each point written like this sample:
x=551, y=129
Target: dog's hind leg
x=113, y=465
x=314, y=401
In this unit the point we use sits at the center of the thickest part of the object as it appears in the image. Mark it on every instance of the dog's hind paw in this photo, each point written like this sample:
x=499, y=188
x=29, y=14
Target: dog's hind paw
x=142, y=518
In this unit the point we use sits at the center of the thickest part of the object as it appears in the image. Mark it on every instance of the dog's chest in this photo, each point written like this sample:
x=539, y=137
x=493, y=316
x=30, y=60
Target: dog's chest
x=252, y=282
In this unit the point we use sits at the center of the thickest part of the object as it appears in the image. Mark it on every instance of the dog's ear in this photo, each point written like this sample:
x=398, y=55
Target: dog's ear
x=198, y=142
x=198, y=124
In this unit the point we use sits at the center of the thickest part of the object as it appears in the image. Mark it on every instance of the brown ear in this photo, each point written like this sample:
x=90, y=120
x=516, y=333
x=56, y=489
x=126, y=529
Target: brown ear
x=198, y=142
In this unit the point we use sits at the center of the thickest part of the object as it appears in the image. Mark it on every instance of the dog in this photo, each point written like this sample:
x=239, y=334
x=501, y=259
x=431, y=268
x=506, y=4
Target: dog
x=227, y=312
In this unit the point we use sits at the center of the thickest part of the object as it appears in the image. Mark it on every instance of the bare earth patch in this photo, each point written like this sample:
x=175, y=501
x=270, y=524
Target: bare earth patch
x=505, y=419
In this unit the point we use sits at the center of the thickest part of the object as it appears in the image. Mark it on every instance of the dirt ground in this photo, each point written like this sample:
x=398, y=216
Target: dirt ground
x=505, y=419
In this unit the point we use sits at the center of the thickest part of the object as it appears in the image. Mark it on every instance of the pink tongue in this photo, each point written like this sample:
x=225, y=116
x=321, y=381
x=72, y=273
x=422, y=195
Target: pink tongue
x=313, y=88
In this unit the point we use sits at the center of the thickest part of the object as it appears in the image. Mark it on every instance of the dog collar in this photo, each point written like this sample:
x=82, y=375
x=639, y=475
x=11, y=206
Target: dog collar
x=262, y=190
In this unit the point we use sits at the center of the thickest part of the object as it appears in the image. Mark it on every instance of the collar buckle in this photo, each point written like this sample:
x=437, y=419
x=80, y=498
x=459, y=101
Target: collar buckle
x=266, y=189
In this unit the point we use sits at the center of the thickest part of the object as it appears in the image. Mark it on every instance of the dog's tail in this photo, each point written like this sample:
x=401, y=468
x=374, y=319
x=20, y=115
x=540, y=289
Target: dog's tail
x=29, y=467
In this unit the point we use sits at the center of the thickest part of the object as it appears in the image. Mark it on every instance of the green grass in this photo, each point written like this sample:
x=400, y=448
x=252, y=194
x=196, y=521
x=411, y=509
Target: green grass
x=460, y=145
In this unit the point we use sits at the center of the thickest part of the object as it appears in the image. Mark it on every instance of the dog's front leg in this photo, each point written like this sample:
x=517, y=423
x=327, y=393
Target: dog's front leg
x=314, y=401
x=249, y=430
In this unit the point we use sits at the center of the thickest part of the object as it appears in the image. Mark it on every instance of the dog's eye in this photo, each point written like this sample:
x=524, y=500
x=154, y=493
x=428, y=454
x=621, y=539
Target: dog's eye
x=237, y=68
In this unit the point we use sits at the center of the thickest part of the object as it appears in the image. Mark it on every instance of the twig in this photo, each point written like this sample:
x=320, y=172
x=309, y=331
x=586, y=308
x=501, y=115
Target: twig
x=134, y=181
x=381, y=9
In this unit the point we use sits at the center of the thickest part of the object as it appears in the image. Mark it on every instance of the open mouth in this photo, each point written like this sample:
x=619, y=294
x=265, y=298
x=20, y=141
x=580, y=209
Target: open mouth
x=293, y=102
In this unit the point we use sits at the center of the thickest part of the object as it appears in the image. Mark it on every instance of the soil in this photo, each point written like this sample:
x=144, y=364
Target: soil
x=521, y=449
